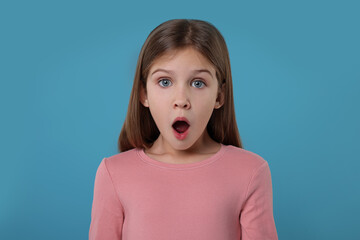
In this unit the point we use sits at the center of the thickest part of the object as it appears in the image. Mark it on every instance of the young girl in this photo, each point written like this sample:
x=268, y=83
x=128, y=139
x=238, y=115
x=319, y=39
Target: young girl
x=182, y=172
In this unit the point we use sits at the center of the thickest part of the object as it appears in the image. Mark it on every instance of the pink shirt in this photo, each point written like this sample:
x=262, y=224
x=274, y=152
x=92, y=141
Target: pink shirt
x=225, y=197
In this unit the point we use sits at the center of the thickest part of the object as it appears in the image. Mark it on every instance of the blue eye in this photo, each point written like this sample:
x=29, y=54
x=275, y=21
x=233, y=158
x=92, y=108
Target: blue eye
x=165, y=81
x=199, y=84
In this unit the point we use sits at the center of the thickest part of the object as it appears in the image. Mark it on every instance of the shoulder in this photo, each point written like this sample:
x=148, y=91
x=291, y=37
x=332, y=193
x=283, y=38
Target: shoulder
x=121, y=161
x=123, y=156
x=244, y=159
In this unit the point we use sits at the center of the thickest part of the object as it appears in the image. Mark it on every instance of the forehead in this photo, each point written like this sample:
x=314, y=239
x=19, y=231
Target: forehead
x=186, y=56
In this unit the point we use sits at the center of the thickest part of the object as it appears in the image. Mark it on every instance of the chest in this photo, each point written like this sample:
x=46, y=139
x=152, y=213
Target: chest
x=204, y=206
x=181, y=196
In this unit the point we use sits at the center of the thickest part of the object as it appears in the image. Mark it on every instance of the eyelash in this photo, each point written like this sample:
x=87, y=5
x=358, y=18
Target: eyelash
x=193, y=81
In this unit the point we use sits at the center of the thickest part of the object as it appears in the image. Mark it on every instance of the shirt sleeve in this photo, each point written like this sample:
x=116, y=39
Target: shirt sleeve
x=256, y=217
x=107, y=212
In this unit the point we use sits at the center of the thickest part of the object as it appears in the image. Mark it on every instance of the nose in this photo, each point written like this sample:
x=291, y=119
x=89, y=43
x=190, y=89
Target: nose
x=181, y=100
x=182, y=104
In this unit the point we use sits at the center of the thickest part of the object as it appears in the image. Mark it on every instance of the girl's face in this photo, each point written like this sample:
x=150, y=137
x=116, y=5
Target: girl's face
x=182, y=83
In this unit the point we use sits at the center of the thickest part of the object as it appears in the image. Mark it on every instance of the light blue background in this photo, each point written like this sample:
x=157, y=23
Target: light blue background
x=66, y=75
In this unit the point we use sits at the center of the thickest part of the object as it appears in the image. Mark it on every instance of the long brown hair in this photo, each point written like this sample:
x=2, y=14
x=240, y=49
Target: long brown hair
x=139, y=129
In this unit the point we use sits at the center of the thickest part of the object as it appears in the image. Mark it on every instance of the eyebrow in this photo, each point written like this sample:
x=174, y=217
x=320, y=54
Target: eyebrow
x=172, y=72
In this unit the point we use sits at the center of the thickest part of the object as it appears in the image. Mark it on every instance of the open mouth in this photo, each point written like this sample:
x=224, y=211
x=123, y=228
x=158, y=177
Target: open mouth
x=180, y=126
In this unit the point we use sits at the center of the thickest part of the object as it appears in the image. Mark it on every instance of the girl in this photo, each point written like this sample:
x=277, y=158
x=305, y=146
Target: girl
x=182, y=172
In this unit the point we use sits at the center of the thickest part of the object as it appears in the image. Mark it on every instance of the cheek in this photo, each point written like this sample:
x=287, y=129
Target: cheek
x=204, y=100
x=205, y=106
x=204, y=110
x=157, y=95
x=158, y=116
x=158, y=108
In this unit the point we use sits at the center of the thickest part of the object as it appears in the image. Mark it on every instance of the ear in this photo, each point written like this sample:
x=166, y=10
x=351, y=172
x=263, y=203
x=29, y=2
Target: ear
x=143, y=96
x=221, y=97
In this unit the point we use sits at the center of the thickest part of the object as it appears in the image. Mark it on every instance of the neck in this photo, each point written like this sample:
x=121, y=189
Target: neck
x=204, y=145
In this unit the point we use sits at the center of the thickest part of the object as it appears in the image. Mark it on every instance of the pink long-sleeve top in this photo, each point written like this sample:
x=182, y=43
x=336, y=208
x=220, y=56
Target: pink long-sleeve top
x=227, y=196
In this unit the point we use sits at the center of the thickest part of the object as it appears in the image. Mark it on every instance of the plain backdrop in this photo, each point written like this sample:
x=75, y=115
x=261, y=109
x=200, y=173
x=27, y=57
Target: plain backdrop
x=66, y=70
